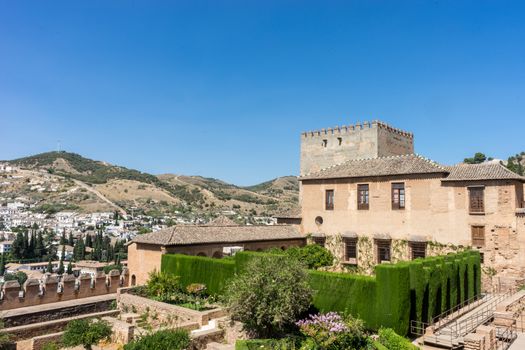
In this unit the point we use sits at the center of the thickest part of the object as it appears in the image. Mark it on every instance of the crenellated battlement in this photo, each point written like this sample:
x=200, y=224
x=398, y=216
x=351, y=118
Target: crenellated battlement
x=326, y=147
x=52, y=288
x=345, y=129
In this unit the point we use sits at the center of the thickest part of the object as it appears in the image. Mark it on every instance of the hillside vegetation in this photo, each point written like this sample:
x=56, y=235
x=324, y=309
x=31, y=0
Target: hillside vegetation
x=163, y=194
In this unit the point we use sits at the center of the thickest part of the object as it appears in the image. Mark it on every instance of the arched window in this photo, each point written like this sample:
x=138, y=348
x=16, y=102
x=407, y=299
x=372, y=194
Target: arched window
x=217, y=255
x=201, y=254
x=133, y=280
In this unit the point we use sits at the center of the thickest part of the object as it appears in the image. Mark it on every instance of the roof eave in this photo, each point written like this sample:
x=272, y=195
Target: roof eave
x=369, y=176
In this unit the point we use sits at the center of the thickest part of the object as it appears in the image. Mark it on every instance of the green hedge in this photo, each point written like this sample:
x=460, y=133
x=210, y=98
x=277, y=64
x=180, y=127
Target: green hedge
x=355, y=294
x=214, y=273
x=411, y=290
x=393, y=296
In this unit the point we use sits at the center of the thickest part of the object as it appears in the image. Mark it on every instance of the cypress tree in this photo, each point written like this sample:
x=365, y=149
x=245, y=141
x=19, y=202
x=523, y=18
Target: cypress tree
x=40, y=249
x=60, y=270
x=69, y=269
x=2, y=265
x=17, y=248
x=31, y=246
x=49, y=266
x=63, y=256
x=70, y=240
x=89, y=242
x=25, y=245
x=63, y=237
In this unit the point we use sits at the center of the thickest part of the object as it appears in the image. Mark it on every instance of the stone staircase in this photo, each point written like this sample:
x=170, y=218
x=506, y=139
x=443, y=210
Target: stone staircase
x=465, y=329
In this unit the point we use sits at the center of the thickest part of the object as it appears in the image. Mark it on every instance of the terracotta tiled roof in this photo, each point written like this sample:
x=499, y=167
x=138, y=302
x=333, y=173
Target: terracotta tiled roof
x=198, y=234
x=382, y=166
x=483, y=171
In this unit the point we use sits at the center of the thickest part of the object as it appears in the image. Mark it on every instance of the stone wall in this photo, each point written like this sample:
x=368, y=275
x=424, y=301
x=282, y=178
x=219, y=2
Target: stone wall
x=163, y=313
x=37, y=329
x=52, y=289
x=26, y=316
x=323, y=148
x=435, y=212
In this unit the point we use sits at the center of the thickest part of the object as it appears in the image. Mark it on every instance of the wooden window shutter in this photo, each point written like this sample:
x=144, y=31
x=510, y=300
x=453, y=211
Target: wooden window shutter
x=478, y=236
x=476, y=199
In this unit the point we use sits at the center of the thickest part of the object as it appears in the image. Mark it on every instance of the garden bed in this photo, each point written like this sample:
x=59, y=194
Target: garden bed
x=159, y=313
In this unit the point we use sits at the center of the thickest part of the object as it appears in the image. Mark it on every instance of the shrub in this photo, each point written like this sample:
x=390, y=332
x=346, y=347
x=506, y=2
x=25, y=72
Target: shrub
x=392, y=340
x=86, y=332
x=332, y=332
x=162, y=284
x=50, y=346
x=161, y=340
x=269, y=294
x=313, y=255
x=265, y=344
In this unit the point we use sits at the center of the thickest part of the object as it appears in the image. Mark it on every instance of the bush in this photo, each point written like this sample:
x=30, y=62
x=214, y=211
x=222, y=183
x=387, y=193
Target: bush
x=269, y=295
x=265, y=344
x=163, y=285
x=392, y=340
x=313, y=255
x=161, y=340
x=50, y=346
x=332, y=332
x=86, y=332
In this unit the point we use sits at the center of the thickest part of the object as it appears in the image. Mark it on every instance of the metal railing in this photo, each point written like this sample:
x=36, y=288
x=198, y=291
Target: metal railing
x=459, y=328
x=464, y=307
x=418, y=327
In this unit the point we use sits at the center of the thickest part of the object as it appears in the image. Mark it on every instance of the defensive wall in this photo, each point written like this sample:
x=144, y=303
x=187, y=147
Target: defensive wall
x=52, y=289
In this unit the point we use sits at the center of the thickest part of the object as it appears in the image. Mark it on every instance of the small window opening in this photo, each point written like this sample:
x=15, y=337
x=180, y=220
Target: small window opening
x=325, y=142
x=340, y=140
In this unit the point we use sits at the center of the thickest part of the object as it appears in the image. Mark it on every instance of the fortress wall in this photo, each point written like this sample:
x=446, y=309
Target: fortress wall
x=51, y=289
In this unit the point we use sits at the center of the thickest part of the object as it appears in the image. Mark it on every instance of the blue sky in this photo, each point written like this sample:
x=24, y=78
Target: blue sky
x=224, y=88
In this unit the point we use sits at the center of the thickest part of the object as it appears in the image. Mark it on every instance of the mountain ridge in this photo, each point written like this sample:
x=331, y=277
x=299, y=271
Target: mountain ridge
x=163, y=193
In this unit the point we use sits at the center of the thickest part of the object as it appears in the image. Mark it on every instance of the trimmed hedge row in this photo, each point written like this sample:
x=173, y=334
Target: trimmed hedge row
x=439, y=283
x=412, y=290
x=214, y=273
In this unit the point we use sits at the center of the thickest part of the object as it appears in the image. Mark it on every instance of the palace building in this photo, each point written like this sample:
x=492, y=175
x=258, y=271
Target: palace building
x=366, y=196
x=373, y=200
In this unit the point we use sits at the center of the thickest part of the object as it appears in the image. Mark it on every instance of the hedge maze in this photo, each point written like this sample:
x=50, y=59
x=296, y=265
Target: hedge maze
x=413, y=290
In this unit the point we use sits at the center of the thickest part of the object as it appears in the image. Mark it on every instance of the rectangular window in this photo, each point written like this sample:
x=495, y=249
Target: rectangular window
x=362, y=197
x=418, y=249
x=476, y=199
x=478, y=236
x=319, y=241
x=329, y=200
x=398, y=196
x=383, y=250
x=350, y=249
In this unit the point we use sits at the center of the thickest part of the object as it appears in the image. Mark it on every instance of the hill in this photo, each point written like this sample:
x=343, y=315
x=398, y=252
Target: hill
x=112, y=186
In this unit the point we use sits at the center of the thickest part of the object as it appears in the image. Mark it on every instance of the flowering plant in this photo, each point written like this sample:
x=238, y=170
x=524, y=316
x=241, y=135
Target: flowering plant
x=324, y=329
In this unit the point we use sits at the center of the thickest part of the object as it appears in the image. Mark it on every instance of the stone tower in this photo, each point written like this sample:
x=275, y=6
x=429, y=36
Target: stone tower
x=323, y=148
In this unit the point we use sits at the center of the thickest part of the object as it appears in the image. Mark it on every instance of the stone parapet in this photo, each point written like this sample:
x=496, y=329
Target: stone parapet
x=52, y=289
